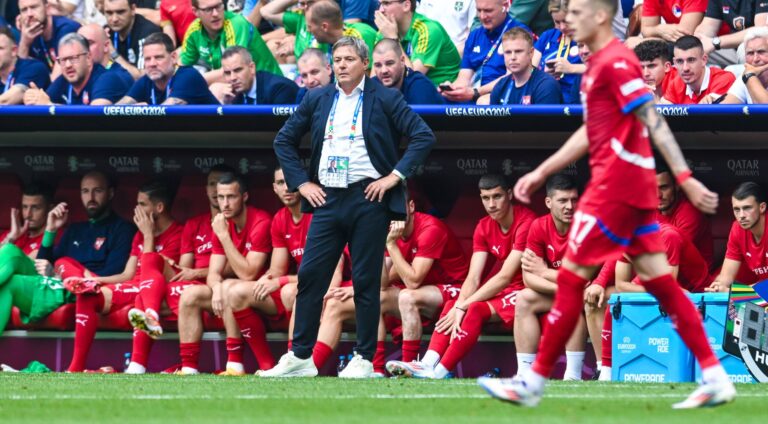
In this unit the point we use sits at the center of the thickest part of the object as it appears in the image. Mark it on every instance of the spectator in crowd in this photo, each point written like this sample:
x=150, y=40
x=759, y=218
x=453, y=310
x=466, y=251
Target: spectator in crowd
x=426, y=44
x=680, y=18
x=82, y=82
x=83, y=11
x=746, y=241
x=557, y=54
x=216, y=29
x=28, y=224
x=697, y=82
x=391, y=70
x=656, y=62
x=41, y=33
x=525, y=85
x=326, y=26
x=175, y=18
x=532, y=13
x=543, y=256
x=127, y=31
x=751, y=86
x=675, y=209
x=314, y=70
x=724, y=26
x=17, y=74
x=163, y=82
x=247, y=86
x=99, y=47
x=483, y=61
x=575, y=94
x=293, y=22
x=456, y=16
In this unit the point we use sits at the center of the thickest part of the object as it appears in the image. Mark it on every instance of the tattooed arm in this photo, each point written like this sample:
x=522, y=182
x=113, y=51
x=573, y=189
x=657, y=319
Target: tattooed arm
x=664, y=140
x=171, y=101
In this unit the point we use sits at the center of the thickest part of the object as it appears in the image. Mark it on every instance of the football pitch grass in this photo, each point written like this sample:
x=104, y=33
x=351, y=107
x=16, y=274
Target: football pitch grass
x=81, y=398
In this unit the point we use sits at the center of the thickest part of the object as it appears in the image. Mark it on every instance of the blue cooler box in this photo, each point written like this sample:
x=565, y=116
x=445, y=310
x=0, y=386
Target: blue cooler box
x=646, y=347
x=714, y=308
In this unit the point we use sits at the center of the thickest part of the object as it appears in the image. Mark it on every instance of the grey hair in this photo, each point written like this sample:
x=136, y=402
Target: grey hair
x=751, y=34
x=238, y=50
x=357, y=45
x=314, y=52
x=74, y=38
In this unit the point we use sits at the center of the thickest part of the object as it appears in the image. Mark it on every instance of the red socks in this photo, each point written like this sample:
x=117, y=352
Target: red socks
x=87, y=310
x=379, y=358
x=234, y=350
x=190, y=354
x=253, y=331
x=152, y=282
x=410, y=350
x=477, y=315
x=142, y=344
x=684, y=317
x=320, y=354
x=561, y=321
x=606, y=337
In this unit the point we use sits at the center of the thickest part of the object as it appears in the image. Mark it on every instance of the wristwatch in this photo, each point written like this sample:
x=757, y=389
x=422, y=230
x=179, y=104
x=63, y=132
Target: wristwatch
x=475, y=95
x=747, y=76
x=716, y=42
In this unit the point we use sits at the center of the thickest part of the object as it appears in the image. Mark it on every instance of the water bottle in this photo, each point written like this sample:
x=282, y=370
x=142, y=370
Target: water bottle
x=342, y=364
x=127, y=360
x=493, y=373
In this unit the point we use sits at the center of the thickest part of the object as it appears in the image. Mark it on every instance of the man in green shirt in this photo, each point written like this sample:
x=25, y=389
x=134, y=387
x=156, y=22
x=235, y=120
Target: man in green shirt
x=293, y=22
x=215, y=30
x=424, y=41
x=325, y=23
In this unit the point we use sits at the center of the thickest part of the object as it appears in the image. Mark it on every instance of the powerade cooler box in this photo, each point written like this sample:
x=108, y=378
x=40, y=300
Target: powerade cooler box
x=645, y=346
x=714, y=309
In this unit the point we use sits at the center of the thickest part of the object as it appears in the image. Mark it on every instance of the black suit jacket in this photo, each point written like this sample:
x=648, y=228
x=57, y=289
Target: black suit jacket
x=386, y=119
x=272, y=89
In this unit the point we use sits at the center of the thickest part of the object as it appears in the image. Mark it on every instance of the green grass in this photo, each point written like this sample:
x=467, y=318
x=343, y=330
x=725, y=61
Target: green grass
x=48, y=398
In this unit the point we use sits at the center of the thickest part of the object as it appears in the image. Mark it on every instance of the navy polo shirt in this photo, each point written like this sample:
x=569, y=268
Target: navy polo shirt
x=109, y=84
x=478, y=46
x=187, y=84
x=540, y=89
x=417, y=89
x=28, y=71
x=549, y=47
x=47, y=51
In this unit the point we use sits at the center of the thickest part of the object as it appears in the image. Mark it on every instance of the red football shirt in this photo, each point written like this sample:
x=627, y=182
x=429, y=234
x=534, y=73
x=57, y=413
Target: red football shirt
x=167, y=243
x=197, y=238
x=673, y=10
x=692, y=224
x=546, y=242
x=489, y=238
x=620, y=157
x=607, y=275
x=254, y=237
x=180, y=14
x=290, y=235
x=432, y=239
x=716, y=82
x=742, y=247
x=26, y=243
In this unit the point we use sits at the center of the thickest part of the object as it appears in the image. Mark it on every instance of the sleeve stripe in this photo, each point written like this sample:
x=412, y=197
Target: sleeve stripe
x=634, y=104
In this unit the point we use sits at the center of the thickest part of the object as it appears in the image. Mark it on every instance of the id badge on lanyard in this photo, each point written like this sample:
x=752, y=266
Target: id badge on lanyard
x=337, y=162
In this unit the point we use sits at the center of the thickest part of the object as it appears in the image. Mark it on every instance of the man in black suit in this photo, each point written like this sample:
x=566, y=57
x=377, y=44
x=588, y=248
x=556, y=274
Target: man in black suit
x=247, y=86
x=352, y=205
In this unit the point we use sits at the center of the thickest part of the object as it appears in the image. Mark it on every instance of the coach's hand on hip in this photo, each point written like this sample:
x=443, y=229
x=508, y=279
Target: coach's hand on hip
x=313, y=193
x=379, y=188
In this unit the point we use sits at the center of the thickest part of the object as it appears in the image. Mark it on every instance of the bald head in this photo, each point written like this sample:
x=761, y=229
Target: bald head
x=97, y=41
x=96, y=193
x=326, y=11
x=388, y=45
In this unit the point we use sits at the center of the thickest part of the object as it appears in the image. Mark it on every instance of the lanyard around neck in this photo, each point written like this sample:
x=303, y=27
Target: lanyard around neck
x=353, y=127
x=167, y=91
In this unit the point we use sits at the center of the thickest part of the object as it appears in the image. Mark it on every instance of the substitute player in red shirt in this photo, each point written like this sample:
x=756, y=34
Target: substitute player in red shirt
x=543, y=256
x=154, y=248
x=747, y=244
x=616, y=215
x=240, y=249
x=502, y=234
x=272, y=295
x=28, y=224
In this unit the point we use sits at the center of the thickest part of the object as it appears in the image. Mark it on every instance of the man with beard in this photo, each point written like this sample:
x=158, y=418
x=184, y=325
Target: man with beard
x=127, y=31
x=390, y=69
x=28, y=223
x=40, y=32
x=17, y=74
x=164, y=83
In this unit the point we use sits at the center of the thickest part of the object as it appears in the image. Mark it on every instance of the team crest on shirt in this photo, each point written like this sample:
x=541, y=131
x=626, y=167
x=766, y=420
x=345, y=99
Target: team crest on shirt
x=458, y=5
x=726, y=10
x=33, y=246
x=86, y=98
x=99, y=242
x=248, y=246
x=677, y=11
x=620, y=65
x=526, y=100
x=738, y=23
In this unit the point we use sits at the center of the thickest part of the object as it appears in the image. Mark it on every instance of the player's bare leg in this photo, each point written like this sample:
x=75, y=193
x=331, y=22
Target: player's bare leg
x=413, y=304
x=194, y=300
x=595, y=317
x=336, y=311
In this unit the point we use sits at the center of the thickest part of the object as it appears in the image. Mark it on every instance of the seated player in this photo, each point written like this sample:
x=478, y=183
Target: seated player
x=142, y=282
x=240, y=249
x=247, y=86
x=547, y=241
x=28, y=224
x=502, y=234
x=272, y=296
x=598, y=317
x=164, y=82
x=314, y=70
x=17, y=74
x=746, y=241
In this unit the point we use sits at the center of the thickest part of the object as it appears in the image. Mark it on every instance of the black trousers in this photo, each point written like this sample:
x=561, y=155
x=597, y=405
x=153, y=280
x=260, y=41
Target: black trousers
x=346, y=217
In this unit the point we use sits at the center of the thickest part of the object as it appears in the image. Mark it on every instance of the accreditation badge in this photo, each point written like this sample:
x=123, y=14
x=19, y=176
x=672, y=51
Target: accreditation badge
x=337, y=171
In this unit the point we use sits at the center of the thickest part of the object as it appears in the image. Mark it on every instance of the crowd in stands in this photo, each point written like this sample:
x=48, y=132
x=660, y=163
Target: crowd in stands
x=88, y=52
x=239, y=263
